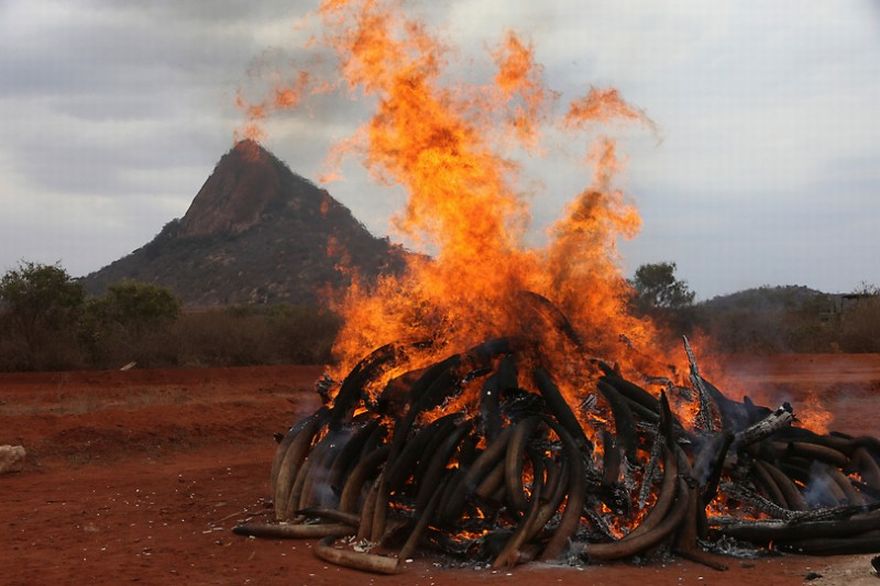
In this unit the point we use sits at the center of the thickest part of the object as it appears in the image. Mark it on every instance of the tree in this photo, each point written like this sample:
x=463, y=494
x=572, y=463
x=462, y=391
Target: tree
x=40, y=300
x=129, y=322
x=866, y=289
x=138, y=306
x=657, y=287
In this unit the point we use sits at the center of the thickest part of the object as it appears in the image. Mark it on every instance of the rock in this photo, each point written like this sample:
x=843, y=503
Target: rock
x=11, y=459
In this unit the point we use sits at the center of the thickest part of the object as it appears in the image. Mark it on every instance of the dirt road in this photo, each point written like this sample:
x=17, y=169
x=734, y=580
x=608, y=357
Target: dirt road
x=138, y=476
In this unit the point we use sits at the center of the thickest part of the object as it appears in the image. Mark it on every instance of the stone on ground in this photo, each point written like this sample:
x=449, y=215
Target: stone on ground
x=11, y=459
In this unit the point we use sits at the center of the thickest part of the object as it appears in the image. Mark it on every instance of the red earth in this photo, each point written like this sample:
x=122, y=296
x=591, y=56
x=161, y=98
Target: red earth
x=139, y=476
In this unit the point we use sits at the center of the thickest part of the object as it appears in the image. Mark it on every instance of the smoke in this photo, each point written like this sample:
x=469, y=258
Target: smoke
x=818, y=492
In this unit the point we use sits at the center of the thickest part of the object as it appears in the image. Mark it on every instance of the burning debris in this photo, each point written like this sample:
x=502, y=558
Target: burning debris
x=497, y=434
x=481, y=456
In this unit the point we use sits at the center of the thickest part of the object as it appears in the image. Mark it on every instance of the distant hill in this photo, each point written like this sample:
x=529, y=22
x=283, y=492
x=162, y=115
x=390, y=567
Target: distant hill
x=768, y=320
x=764, y=299
x=255, y=233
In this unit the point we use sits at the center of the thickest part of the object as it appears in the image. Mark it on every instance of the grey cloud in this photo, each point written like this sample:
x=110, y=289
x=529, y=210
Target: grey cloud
x=113, y=114
x=91, y=58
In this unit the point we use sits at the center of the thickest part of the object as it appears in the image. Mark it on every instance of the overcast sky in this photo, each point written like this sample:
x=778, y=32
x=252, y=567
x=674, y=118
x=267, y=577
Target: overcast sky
x=112, y=115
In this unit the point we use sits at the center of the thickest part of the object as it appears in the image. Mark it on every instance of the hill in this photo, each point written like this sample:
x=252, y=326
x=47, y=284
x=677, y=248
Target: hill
x=255, y=233
x=768, y=320
x=763, y=299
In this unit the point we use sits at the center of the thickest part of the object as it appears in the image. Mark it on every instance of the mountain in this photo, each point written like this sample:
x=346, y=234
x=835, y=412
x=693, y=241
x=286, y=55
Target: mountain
x=255, y=233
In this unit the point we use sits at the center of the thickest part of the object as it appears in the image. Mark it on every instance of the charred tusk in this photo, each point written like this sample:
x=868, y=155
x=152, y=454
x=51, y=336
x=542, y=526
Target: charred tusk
x=772, y=489
x=865, y=543
x=513, y=462
x=628, y=547
x=791, y=493
x=811, y=452
x=624, y=424
x=510, y=554
x=291, y=463
x=560, y=409
x=853, y=496
x=633, y=392
x=438, y=465
x=413, y=540
x=686, y=541
x=576, y=493
x=348, y=456
x=867, y=467
x=556, y=490
x=284, y=445
x=351, y=493
x=665, y=499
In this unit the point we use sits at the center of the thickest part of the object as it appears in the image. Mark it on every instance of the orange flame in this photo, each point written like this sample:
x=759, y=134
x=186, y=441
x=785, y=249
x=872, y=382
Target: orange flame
x=463, y=204
x=520, y=77
x=285, y=96
x=603, y=106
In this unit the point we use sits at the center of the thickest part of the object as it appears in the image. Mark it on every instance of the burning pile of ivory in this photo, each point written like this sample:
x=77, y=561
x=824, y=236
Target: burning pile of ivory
x=522, y=474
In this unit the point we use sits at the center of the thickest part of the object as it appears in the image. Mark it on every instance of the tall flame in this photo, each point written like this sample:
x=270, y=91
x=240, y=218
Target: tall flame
x=442, y=144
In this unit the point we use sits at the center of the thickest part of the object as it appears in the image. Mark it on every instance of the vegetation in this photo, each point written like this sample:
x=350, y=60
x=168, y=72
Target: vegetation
x=131, y=322
x=657, y=287
x=659, y=294
x=41, y=305
x=764, y=320
x=48, y=323
x=769, y=320
x=860, y=325
x=244, y=335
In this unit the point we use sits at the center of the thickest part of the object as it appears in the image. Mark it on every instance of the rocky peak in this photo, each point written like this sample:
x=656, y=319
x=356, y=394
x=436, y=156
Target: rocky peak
x=246, y=182
x=256, y=232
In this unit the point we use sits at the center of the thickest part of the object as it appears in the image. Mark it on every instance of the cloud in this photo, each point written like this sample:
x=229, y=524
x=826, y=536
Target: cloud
x=115, y=113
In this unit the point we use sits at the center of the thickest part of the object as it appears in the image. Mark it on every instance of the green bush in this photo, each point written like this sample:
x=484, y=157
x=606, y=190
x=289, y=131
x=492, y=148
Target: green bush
x=130, y=322
x=46, y=323
x=41, y=306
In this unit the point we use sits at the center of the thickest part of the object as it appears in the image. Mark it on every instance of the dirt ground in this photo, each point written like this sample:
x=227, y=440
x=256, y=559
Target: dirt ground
x=138, y=476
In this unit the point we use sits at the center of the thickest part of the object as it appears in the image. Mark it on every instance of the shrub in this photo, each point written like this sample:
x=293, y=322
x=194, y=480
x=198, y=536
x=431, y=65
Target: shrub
x=246, y=335
x=131, y=322
x=41, y=305
x=860, y=327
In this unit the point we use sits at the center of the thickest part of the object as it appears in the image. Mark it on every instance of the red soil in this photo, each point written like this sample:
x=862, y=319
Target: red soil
x=138, y=477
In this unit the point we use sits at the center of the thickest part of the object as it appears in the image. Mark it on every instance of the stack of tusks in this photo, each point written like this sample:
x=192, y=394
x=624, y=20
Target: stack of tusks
x=520, y=480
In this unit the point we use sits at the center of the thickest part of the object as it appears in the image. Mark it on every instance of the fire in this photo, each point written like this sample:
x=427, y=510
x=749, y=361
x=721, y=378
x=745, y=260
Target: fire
x=814, y=415
x=602, y=106
x=520, y=77
x=439, y=142
x=285, y=95
x=465, y=208
x=555, y=307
